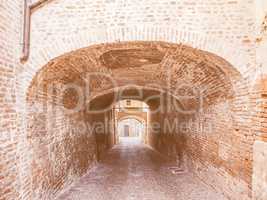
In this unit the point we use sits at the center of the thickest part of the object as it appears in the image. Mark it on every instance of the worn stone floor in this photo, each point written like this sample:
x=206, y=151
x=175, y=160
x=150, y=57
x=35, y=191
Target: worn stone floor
x=133, y=171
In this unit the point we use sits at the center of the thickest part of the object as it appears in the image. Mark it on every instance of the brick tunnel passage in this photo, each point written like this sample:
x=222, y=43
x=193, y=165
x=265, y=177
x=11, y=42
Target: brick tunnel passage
x=61, y=60
x=194, y=121
x=132, y=170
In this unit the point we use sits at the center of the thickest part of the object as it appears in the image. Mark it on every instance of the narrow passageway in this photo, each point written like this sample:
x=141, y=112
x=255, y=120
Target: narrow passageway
x=132, y=170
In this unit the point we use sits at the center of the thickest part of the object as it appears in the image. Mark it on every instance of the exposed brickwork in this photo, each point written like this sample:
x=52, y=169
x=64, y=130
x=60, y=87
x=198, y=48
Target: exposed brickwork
x=105, y=136
x=40, y=150
x=60, y=148
x=12, y=181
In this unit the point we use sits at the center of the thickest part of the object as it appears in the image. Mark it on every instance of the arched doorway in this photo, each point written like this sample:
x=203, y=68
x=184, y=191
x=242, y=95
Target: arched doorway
x=59, y=97
x=131, y=116
x=131, y=127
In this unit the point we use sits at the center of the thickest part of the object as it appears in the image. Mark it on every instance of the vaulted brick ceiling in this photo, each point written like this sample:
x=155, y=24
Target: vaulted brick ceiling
x=178, y=69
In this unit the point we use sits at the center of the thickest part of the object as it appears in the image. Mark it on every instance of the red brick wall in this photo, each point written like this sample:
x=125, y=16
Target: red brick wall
x=60, y=146
x=63, y=143
x=216, y=143
x=104, y=131
x=64, y=140
x=221, y=156
x=164, y=129
x=11, y=179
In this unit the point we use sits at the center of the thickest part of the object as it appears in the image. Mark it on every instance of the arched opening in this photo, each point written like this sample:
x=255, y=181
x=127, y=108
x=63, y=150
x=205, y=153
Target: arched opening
x=130, y=127
x=132, y=116
x=74, y=98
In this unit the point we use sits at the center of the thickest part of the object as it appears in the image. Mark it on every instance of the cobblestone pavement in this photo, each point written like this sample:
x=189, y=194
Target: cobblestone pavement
x=133, y=171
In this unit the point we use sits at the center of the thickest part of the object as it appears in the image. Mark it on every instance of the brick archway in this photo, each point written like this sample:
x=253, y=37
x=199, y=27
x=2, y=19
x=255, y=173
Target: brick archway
x=70, y=67
x=137, y=33
x=139, y=117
